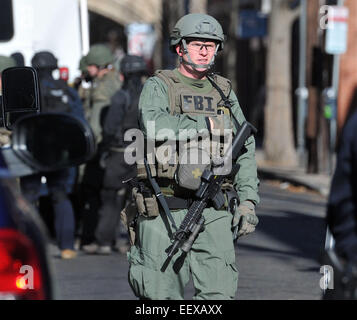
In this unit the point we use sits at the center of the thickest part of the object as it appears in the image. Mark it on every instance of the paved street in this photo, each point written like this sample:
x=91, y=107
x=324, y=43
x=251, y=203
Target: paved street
x=279, y=261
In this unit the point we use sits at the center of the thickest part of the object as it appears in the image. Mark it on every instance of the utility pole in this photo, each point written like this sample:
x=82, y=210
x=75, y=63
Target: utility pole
x=302, y=91
x=337, y=30
x=314, y=84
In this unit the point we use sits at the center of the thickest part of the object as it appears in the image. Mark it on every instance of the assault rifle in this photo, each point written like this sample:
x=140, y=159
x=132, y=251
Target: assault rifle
x=209, y=190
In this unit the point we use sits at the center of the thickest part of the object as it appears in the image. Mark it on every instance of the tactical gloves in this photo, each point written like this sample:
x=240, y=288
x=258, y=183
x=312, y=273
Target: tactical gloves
x=244, y=219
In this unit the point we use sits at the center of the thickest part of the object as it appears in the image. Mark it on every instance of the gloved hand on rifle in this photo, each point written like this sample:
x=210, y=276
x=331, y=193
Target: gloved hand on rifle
x=244, y=219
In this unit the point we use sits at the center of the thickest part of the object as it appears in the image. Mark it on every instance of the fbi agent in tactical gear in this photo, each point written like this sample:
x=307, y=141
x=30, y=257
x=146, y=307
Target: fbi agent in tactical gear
x=191, y=98
x=99, y=63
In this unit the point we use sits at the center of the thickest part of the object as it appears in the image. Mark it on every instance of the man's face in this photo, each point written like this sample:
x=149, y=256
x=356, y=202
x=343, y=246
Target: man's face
x=93, y=70
x=201, y=52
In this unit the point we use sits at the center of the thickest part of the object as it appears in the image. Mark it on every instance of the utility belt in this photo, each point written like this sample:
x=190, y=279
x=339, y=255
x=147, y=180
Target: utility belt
x=147, y=203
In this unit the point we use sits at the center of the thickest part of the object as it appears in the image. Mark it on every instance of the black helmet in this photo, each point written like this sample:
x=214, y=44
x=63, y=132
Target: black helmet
x=19, y=58
x=44, y=60
x=133, y=64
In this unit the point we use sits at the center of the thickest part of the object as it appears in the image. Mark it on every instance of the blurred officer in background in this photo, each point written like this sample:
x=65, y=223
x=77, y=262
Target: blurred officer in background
x=105, y=82
x=5, y=62
x=82, y=83
x=56, y=96
x=342, y=215
x=121, y=116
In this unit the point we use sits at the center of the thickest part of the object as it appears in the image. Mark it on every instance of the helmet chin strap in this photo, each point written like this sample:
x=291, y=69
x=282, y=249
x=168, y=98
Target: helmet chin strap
x=194, y=65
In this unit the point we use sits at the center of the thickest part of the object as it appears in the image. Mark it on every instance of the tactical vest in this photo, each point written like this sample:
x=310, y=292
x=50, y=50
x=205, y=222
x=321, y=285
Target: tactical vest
x=55, y=96
x=185, y=100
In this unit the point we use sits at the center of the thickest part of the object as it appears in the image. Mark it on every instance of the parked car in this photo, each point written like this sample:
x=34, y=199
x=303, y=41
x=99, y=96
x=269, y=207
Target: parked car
x=39, y=142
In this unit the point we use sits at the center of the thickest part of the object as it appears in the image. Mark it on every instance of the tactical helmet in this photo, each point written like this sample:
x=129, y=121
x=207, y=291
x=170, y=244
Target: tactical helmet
x=100, y=55
x=132, y=64
x=197, y=25
x=6, y=62
x=44, y=60
x=83, y=64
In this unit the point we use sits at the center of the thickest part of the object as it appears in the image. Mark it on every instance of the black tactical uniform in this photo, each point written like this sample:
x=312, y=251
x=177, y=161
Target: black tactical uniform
x=122, y=115
x=56, y=96
x=342, y=216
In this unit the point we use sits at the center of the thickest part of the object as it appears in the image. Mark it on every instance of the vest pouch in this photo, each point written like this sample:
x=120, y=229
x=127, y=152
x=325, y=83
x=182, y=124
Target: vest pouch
x=141, y=171
x=146, y=202
x=167, y=159
x=152, y=206
x=192, y=162
x=128, y=217
x=166, y=170
x=139, y=201
x=222, y=121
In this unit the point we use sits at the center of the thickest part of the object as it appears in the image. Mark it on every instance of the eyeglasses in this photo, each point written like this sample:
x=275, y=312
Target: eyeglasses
x=197, y=46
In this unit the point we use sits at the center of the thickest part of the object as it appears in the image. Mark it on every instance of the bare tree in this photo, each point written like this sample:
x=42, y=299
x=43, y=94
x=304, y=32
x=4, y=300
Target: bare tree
x=198, y=6
x=279, y=146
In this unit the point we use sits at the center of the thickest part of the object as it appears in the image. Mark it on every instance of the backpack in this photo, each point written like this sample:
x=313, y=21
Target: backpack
x=131, y=112
x=55, y=96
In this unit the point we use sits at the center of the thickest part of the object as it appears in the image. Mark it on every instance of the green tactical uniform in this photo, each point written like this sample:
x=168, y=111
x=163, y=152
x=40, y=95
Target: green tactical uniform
x=212, y=257
x=99, y=97
x=176, y=102
x=102, y=88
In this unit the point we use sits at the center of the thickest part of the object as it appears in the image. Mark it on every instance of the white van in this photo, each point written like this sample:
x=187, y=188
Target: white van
x=59, y=26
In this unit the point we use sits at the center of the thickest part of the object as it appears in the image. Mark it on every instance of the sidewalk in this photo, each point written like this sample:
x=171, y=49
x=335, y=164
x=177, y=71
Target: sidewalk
x=295, y=176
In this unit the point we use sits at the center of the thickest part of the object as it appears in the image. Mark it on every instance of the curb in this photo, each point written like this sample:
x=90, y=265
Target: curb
x=264, y=173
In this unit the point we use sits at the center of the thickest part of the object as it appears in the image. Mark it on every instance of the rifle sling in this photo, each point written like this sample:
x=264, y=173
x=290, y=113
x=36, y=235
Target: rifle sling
x=160, y=197
x=225, y=99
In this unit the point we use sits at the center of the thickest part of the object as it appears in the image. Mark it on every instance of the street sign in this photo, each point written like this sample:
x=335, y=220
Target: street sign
x=252, y=23
x=337, y=28
x=141, y=39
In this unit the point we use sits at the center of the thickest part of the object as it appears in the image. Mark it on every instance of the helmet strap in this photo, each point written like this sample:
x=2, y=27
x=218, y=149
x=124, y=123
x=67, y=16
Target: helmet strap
x=194, y=65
